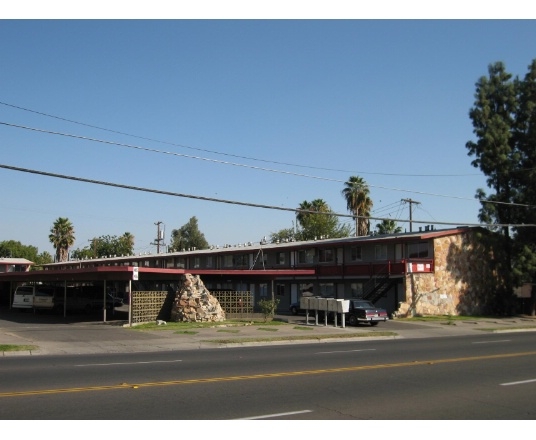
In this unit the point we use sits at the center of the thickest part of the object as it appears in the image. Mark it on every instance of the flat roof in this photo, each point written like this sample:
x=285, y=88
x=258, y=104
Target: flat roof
x=125, y=273
x=9, y=261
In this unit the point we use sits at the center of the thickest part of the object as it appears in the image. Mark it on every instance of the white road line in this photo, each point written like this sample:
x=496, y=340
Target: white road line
x=126, y=363
x=345, y=351
x=492, y=342
x=521, y=382
x=269, y=416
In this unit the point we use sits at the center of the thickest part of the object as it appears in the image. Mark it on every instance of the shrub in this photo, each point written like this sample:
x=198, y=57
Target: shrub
x=268, y=307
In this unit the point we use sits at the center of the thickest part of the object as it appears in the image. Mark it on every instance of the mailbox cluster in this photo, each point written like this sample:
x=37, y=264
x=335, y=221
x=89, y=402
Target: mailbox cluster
x=325, y=305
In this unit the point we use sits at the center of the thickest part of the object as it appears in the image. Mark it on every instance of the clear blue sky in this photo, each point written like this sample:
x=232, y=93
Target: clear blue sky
x=314, y=101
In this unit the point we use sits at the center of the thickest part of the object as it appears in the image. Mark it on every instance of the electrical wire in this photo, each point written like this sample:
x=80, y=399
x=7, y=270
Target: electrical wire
x=232, y=202
x=153, y=150
x=225, y=154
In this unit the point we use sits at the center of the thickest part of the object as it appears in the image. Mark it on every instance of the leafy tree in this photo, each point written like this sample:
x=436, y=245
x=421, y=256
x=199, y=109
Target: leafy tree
x=83, y=254
x=43, y=258
x=316, y=220
x=15, y=249
x=356, y=193
x=283, y=235
x=106, y=245
x=388, y=227
x=62, y=238
x=188, y=236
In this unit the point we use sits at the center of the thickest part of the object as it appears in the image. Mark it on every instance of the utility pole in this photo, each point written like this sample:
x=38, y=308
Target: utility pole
x=159, y=237
x=411, y=202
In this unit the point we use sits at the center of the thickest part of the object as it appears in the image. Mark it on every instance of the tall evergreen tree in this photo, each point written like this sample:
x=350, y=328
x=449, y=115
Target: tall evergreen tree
x=495, y=151
x=525, y=135
x=504, y=121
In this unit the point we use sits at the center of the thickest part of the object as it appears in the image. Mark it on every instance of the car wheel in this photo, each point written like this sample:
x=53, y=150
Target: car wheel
x=373, y=323
x=352, y=320
x=294, y=310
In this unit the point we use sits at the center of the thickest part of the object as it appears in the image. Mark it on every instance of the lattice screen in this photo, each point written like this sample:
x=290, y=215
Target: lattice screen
x=149, y=305
x=234, y=302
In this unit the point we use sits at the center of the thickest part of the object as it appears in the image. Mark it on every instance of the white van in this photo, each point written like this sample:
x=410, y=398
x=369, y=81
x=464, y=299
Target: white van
x=44, y=297
x=37, y=297
x=24, y=297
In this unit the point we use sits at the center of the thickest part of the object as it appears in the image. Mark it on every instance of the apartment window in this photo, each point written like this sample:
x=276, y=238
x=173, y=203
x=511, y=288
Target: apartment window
x=228, y=261
x=263, y=290
x=210, y=262
x=356, y=290
x=181, y=263
x=306, y=256
x=327, y=290
x=306, y=289
x=325, y=256
x=280, y=289
x=280, y=258
x=355, y=253
x=380, y=252
x=418, y=250
x=241, y=260
x=197, y=263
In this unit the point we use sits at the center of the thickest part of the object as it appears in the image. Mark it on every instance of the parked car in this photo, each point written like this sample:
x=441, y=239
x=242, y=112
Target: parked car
x=365, y=311
x=85, y=299
x=295, y=309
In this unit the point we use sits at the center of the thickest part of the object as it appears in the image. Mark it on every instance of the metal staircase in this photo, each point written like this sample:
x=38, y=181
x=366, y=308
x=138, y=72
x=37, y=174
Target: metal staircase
x=378, y=285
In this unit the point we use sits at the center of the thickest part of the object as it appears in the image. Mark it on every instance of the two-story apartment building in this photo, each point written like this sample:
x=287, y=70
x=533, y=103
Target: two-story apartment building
x=426, y=272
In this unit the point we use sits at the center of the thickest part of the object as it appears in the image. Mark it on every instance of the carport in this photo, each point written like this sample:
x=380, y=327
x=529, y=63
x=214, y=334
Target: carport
x=129, y=274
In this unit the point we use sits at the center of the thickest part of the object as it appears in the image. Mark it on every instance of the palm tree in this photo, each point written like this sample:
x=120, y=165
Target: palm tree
x=62, y=237
x=356, y=192
x=300, y=214
x=127, y=241
x=388, y=227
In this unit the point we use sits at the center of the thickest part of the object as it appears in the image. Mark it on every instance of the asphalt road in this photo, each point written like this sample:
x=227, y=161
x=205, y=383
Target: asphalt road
x=478, y=377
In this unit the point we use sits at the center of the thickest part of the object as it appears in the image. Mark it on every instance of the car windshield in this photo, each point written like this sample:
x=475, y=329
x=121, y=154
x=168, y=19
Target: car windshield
x=364, y=304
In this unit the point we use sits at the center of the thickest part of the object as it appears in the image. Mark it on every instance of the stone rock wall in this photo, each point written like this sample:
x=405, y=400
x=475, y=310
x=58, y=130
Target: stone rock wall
x=462, y=282
x=194, y=303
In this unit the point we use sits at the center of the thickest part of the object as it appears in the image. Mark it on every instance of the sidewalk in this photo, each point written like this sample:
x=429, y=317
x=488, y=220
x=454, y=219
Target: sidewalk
x=52, y=338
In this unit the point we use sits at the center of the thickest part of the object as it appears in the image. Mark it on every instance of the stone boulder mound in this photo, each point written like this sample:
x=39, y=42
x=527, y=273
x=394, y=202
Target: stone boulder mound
x=194, y=303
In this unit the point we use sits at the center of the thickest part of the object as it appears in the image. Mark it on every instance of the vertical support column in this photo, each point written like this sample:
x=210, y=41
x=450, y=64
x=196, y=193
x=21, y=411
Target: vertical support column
x=64, y=298
x=130, y=303
x=104, y=302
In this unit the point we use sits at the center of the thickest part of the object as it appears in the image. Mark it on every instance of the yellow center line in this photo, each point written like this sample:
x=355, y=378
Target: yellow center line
x=123, y=386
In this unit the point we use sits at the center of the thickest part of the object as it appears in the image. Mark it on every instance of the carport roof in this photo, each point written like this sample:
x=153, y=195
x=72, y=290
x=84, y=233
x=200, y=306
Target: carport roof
x=125, y=273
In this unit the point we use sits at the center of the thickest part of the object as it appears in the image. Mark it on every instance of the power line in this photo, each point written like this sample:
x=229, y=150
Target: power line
x=153, y=150
x=226, y=154
x=233, y=202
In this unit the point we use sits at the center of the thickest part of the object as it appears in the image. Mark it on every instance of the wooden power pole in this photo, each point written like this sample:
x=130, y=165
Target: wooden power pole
x=411, y=202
